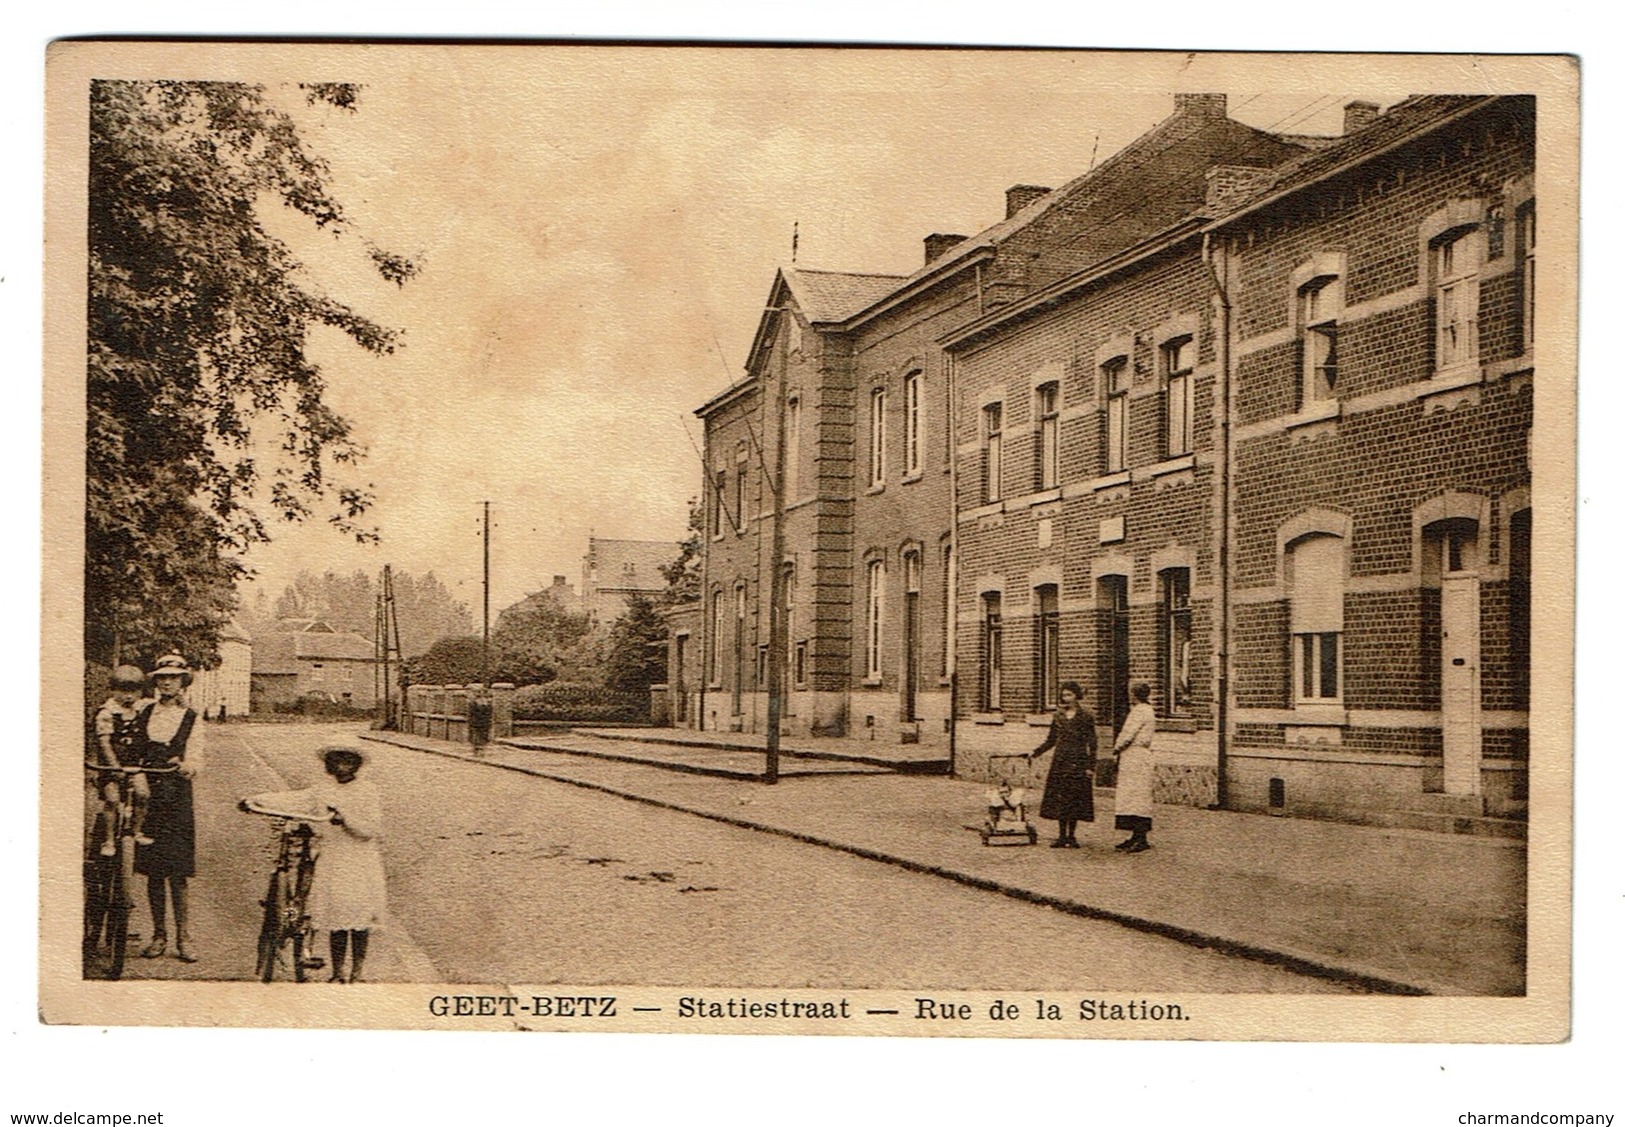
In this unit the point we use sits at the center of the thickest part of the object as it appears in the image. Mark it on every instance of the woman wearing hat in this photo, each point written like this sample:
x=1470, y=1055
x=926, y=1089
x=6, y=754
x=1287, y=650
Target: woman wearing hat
x=347, y=896
x=167, y=732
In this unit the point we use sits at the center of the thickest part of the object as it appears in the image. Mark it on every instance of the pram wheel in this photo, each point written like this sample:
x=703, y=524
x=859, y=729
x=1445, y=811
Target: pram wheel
x=1032, y=836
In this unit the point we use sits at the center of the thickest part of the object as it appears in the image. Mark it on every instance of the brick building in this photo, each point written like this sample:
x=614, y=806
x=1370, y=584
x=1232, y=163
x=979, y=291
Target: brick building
x=1239, y=414
x=1273, y=460
x=849, y=369
x=1382, y=295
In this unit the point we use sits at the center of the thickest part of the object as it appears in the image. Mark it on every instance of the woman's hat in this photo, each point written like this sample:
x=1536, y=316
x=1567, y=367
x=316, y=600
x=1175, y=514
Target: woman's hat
x=341, y=749
x=172, y=665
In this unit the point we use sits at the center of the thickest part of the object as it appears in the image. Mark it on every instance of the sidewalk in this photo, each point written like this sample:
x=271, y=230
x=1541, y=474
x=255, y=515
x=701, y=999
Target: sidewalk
x=1387, y=910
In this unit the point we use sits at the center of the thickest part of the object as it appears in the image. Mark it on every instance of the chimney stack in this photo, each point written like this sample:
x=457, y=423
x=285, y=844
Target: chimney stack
x=1019, y=196
x=938, y=245
x=558, y=581
x=1358, y=115
x=1200, y=105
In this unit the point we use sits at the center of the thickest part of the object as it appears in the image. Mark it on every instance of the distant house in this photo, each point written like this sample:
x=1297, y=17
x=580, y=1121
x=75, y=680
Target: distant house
x=307, y=659
x=614, y=569
x=228, y=685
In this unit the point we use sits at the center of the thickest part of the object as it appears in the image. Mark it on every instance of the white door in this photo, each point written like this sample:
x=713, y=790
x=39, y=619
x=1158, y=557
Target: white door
x=1458, y=682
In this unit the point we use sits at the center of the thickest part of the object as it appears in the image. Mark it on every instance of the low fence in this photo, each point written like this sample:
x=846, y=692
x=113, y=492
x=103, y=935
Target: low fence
x=441, y=711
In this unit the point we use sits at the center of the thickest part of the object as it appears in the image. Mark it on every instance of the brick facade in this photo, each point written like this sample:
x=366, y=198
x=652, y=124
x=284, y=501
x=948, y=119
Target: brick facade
x=1183, y=388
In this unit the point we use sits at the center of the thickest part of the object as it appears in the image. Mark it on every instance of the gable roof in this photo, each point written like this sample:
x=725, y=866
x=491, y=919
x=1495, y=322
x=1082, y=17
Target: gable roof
x=825, y=295
x=288, y=652
x=1399, y=123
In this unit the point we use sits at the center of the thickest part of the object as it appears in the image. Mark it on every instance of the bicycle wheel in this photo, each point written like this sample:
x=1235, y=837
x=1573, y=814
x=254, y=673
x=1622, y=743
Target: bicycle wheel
x=97, y=870
x=118, y=917
x=270, y=930
x=299, y=938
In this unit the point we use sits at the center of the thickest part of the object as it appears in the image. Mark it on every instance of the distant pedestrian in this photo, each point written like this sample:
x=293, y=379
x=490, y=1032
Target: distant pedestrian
x=1069, y=789
x=1133, y=747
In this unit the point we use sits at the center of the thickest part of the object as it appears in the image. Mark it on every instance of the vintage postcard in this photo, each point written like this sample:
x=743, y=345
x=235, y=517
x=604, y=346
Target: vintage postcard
x=809, y=540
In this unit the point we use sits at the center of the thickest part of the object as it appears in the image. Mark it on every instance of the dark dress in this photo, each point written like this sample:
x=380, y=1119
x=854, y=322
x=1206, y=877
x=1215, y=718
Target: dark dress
x=1069, y=792
x=169, y=812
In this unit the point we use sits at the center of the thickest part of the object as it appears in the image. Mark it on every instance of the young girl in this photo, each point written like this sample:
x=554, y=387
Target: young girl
x=347, y=897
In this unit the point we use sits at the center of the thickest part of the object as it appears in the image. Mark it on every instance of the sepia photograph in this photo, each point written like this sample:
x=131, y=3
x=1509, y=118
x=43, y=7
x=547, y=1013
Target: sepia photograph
x=812, y=540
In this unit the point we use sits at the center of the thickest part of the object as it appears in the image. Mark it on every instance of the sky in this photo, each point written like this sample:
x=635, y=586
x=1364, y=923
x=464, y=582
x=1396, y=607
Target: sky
x=597, y=230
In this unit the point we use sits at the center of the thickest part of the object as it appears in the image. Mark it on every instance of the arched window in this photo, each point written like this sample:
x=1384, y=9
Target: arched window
x=874, y=619
x=913, y=409
x=1049, y=436
x=1048, y=628
x=1176, y=639
x=1315, y=573
x=992, y=651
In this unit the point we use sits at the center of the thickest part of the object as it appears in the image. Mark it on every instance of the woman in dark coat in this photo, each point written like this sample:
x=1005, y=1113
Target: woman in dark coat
x=169, y=735
x=1069, y=790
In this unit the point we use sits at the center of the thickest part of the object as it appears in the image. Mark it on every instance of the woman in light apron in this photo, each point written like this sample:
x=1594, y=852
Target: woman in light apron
x=1133, y=749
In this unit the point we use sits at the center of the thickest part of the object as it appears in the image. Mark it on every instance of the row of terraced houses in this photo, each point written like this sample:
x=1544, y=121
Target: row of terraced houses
x=1240, y=414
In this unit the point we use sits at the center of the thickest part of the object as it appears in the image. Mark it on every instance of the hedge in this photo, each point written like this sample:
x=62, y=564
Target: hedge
x=579, y=703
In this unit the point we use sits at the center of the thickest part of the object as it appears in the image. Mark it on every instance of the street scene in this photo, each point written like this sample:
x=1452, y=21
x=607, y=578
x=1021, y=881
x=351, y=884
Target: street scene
x=600, y=889
x=748, y=548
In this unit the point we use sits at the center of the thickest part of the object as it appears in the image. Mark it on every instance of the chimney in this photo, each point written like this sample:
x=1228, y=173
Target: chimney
x=1358, y=115
x=1019, y=196
x=1200, y=105
x=938, y=245
x=1229, y=184
x=558, y=581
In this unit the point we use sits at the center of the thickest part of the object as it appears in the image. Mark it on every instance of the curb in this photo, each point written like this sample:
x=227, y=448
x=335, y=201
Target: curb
x=1309, y=965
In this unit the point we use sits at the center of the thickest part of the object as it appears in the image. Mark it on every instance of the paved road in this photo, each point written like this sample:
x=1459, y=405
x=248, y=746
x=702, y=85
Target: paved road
x=496, y=877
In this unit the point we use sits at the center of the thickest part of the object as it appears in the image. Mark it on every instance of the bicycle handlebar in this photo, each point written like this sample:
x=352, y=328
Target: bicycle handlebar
x=111, y=768
x=266, y=811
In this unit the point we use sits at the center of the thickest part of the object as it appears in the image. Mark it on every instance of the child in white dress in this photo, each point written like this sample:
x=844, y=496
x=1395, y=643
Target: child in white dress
x=348, y=895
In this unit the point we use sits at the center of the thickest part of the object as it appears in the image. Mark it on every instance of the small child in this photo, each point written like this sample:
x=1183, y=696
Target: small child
x=117, y=746
x=348, y=895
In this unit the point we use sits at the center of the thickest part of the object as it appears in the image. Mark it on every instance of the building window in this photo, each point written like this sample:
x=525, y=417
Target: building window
x=1315, y=576
x=1526, y=272
x=877, y=436
x=992, y=652
x=911, y=423
x=789, y=611
x=1048, y=666
x=1320, y=302
x=719, y=500
x=713, y=641
x=1455, y=297
x=761, y=667
x=948, y=617
x=992, y=452
x=1116, y=379
x=1049, y=436
x=1178, y=362
x=792, y=451
x=801, y=665
x=874, y=619
x=1176, y=640
x=741, y=462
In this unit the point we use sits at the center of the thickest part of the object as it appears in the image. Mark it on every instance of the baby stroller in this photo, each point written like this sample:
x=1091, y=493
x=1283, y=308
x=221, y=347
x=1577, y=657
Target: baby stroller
x=1011, y=776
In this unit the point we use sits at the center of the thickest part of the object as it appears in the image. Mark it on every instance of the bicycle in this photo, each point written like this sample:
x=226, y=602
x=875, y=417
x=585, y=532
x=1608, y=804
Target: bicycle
x=285, y=920
x=108, y=879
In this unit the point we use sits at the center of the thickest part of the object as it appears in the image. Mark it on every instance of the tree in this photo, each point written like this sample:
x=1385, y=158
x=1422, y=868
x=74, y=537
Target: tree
x=682, y=575
x=204, y=415
x=536, y=640
x=635, y=655
x=425, y=610
x=450, y=661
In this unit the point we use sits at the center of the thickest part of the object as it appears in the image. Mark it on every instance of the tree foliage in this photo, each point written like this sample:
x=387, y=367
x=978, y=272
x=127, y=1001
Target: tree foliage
x=425, y=610
x=635, y=654
x=682, y=574
x=536, y=641
x=205, y=418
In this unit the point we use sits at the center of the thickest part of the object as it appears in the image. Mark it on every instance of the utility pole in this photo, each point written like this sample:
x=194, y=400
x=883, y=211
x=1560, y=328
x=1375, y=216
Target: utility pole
x=777, y=628
x=485, y=634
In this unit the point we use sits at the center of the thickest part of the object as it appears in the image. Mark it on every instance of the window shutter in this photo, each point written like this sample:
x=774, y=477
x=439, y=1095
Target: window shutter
x=1317, y=585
